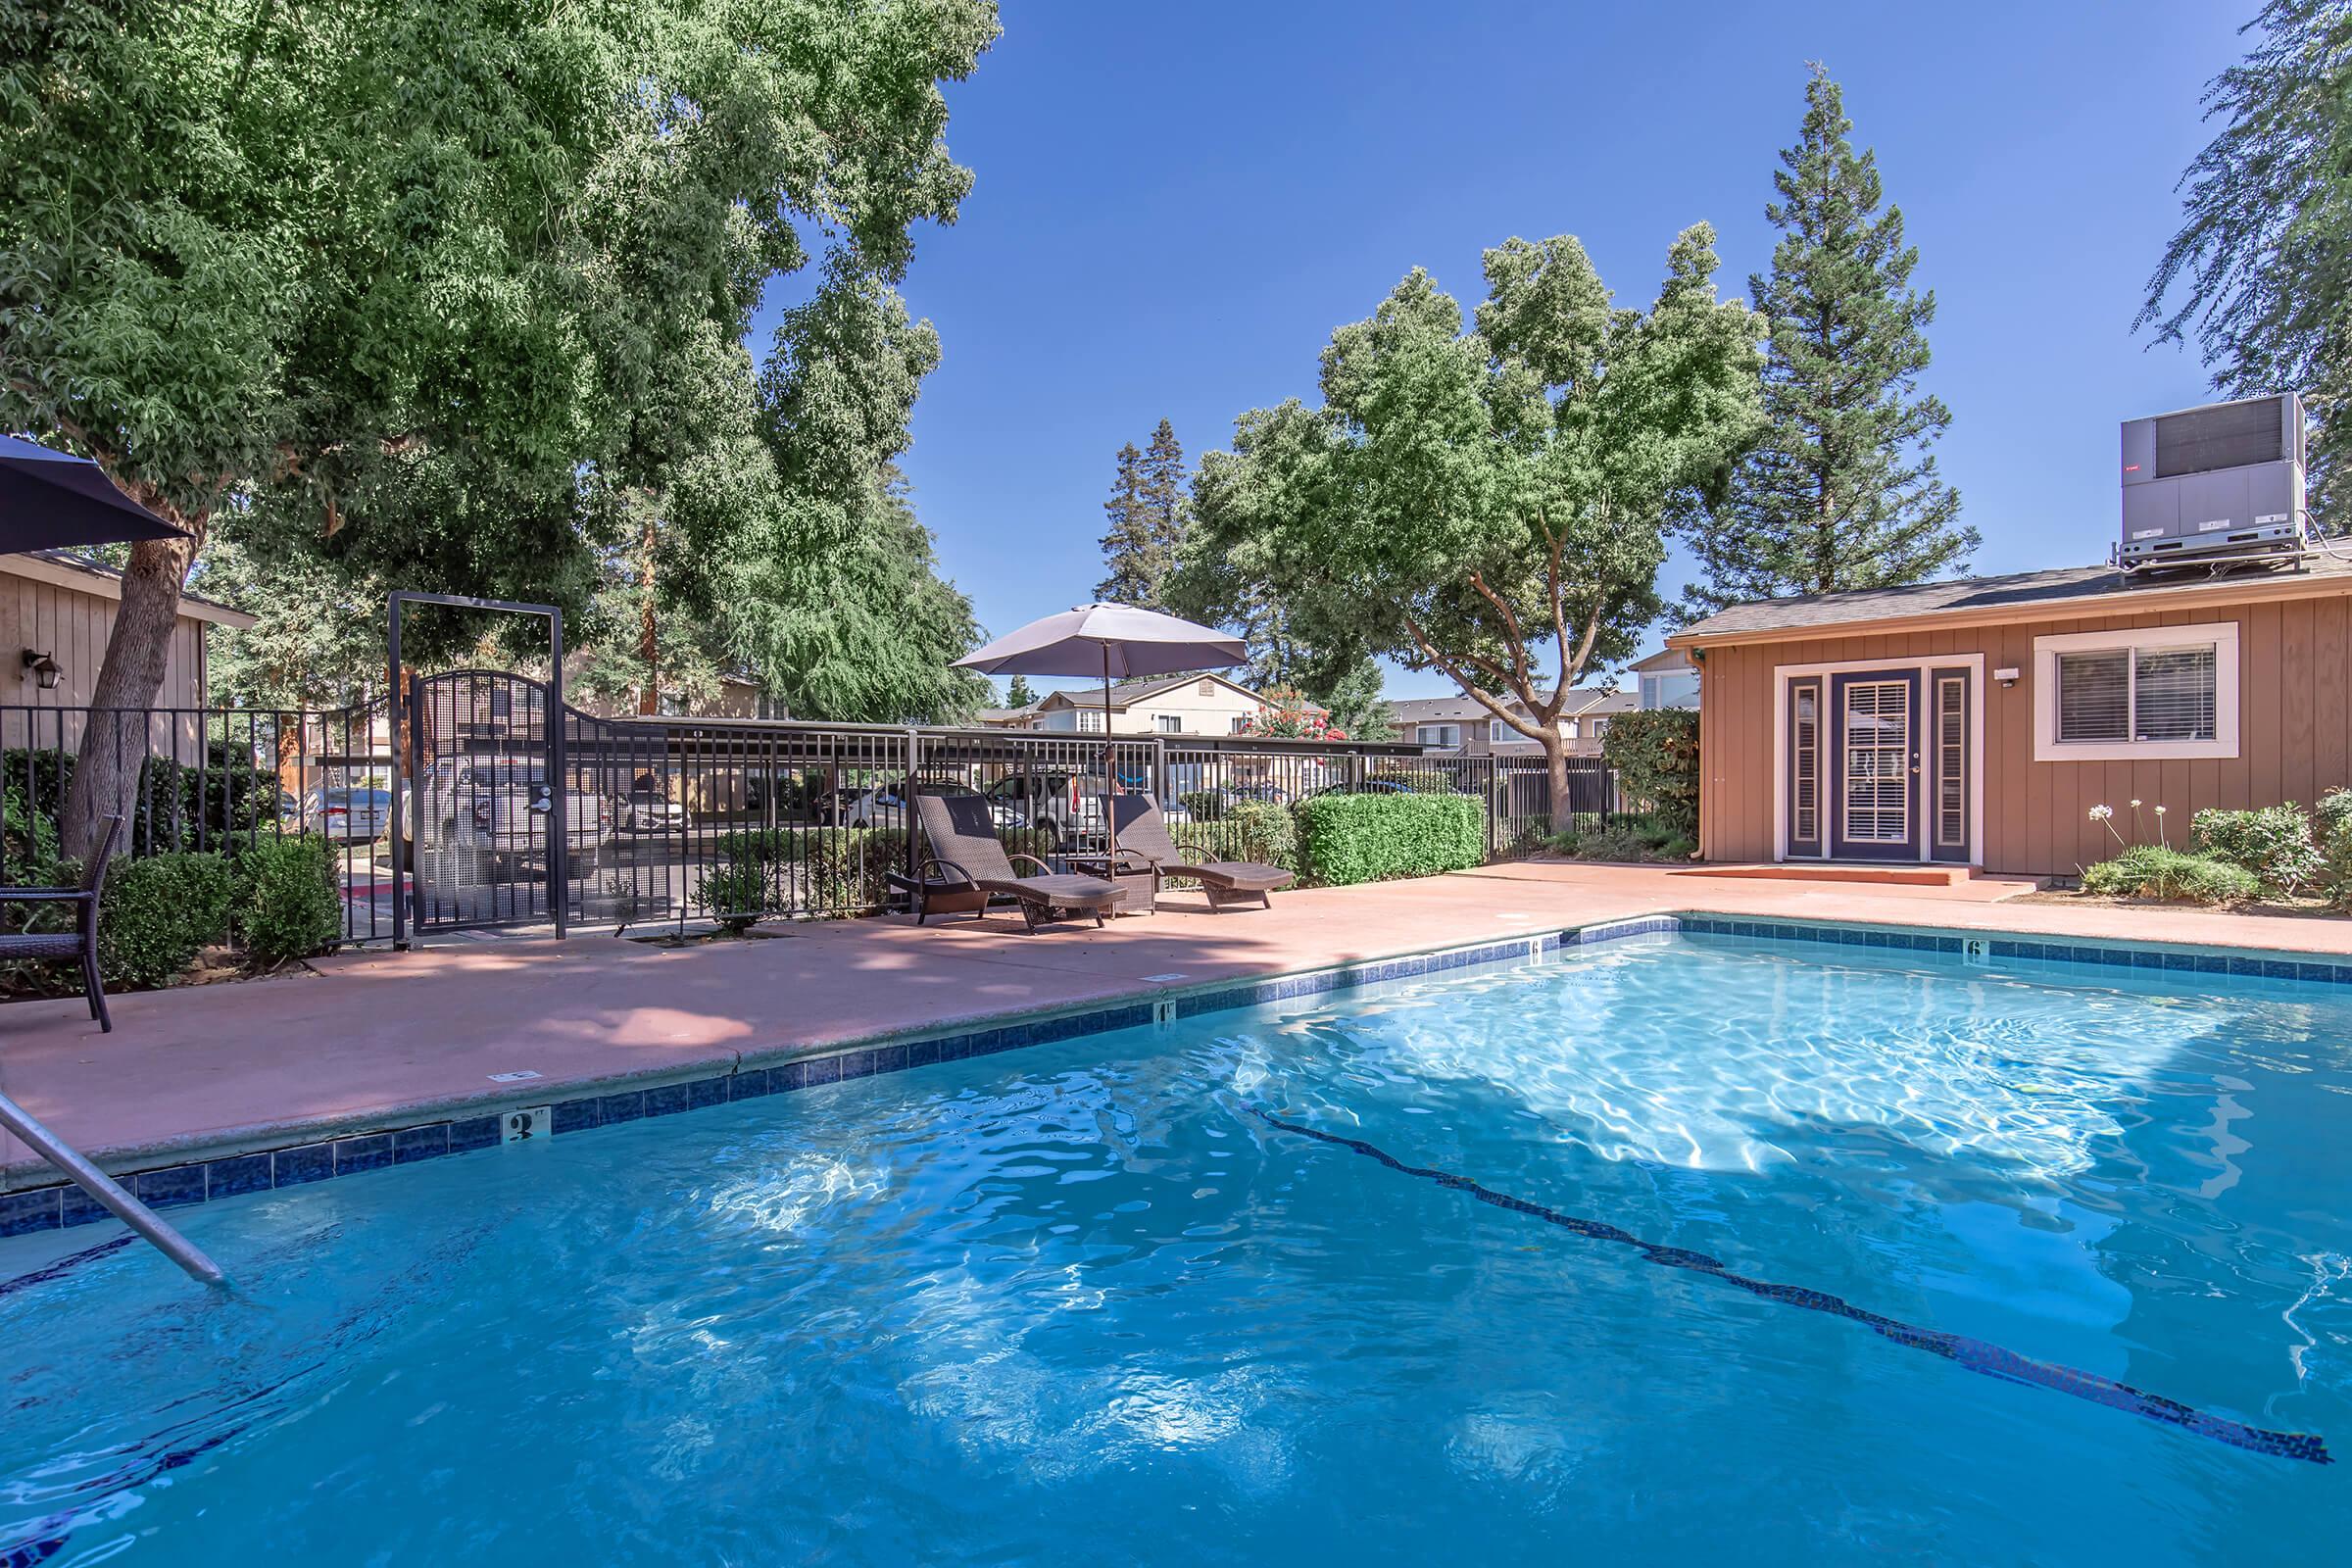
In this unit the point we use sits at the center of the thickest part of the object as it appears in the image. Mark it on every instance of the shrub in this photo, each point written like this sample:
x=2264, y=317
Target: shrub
x=1251, y=831
x=2152, y=871
x=1362, y=838
x=843, y=870
x=2273, y=843
x=737, y=892
x=289, y=903
x=227, y=795
x=158, y=913
x=1631, y=838
x=1203, y=805
x=1656, y=754
x=2335, y=845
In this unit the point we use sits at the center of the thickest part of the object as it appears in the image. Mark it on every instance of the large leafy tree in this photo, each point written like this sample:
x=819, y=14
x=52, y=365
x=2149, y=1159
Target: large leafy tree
x=1491, y=502
x=831, y=594
x=1146, y=520
x=2261, y=269
x=415, y=265
x=1840, y=489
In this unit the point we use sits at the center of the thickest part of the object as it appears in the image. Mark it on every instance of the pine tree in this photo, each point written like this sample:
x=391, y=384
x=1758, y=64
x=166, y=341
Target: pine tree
x=1148, y=510
x=1018, y=693
x=1840, y=491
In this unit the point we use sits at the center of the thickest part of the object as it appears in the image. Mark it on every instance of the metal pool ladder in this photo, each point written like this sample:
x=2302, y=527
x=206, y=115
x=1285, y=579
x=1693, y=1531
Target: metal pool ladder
x=104, y=1188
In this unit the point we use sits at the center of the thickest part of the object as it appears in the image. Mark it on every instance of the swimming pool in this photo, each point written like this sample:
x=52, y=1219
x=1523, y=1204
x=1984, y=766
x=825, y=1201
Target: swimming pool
x=1681, y=1244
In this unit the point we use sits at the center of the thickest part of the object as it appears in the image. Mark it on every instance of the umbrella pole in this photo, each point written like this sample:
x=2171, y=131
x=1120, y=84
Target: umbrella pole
x=1110, y=789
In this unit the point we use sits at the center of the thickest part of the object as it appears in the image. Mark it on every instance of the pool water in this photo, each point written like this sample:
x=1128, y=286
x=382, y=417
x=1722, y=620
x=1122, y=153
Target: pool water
x=1086, y=1303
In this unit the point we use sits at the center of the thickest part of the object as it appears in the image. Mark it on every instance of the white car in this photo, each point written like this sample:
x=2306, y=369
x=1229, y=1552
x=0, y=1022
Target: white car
x=885, y=804
x=357, y=815
x=496, y=810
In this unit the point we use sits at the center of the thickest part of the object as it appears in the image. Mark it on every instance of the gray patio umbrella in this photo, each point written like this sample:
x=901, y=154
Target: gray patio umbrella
x=1115, y=641
x=50, y=499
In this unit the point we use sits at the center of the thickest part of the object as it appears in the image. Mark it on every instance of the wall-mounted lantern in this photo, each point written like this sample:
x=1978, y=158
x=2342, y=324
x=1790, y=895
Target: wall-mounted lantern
x=45, y=671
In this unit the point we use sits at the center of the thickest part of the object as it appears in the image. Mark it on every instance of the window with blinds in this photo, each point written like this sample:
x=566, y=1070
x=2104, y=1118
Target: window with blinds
x=2129, y=694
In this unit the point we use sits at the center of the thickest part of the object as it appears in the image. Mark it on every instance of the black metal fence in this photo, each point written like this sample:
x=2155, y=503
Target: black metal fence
x=505, y=817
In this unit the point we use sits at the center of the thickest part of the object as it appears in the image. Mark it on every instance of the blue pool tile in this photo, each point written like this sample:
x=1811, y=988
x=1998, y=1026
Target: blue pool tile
x=474, y=1132
x=891, y=1058
x=172, y=1186
x=2246, y=966
x=304, y=1162
x=922, y=1054
x=2146, y=959
x=2001, y=948
x=706, y=1092
x=2181, y=961
x=612, y=1109
x=668, y=1099
x=577, y=1115
x=371, y=1153
x=22, y=1213
x=2278, y=969
x=750, y=1083
x=856, y=1064
x=824, y=1070
x=2316, y=973
x=77, y=1208
x=2210, y=963
x=412, y=1144
x=237, y=1175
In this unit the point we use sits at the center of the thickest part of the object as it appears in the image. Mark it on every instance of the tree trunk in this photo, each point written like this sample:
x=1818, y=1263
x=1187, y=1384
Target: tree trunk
x=649, y=645
x=1555, y=772
x=114, y=744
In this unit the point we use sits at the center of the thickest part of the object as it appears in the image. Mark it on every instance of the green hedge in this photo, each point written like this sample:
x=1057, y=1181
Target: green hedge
x=289, y=903
x=1655, y=753
x=159, y=911
x=227, y=796
x=1365, y=838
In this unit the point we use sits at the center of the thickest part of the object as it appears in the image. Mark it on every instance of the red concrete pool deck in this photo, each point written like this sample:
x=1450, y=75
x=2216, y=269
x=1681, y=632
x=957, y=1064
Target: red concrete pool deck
x=379, y=1039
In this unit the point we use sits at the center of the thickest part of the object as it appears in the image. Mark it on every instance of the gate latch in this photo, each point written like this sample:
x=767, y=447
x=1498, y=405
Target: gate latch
x=543, y=799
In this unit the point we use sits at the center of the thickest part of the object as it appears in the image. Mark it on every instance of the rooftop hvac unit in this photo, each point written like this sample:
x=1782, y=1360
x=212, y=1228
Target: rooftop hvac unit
x=2208, y=486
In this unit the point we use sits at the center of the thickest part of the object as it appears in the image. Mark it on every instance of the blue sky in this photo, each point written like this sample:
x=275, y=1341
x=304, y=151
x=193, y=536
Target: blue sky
x=1174, y=206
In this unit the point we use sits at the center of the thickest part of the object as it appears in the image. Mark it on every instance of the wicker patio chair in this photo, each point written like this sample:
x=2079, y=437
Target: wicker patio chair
x=964, y=855
x=79, y=943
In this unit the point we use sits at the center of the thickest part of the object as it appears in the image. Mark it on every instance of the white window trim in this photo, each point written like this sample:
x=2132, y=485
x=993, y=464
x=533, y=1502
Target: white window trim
x=1783, y=674
x=2220, y=635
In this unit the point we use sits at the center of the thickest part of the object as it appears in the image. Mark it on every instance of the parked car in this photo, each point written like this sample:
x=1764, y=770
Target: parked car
x=1065, y=802
x=885, y=804
x=493, y=813
x=648, y=809
x=358, y=814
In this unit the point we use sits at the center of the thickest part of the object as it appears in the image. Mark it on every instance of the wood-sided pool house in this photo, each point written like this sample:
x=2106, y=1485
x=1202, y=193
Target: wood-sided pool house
x=1975, y=722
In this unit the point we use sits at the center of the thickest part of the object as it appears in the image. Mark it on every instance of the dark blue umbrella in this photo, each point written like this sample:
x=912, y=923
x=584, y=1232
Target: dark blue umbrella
x=49, y=500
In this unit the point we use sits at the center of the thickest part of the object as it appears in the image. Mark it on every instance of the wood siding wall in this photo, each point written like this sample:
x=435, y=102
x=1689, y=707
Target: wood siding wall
x=2294, y=733
x=73, y=628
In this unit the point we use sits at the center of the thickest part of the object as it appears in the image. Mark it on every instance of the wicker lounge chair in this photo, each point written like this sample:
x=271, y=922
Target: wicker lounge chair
x=1142, y=830
x=962, y=856
x=83, y=940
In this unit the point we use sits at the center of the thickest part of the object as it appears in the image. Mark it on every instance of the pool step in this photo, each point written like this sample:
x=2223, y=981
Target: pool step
x=1909, y=876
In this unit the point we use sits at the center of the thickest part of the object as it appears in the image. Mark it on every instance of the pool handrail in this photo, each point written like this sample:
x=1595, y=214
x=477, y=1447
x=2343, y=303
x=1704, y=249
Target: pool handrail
x=107, y=1190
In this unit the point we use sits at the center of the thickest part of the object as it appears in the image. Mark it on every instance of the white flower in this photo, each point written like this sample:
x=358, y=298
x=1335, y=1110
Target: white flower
x=2135, y=806
x=2100, y=813
x=2160, y=810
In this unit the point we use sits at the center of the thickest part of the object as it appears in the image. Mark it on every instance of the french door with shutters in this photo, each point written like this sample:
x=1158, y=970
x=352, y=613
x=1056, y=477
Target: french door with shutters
x=1873, y=765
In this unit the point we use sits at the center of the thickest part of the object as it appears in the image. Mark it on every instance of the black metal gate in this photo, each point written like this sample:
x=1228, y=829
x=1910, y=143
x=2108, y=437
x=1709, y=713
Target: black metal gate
x=496, y=830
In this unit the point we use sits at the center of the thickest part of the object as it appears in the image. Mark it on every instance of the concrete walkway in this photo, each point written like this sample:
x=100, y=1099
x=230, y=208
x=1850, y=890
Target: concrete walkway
x=377, y=1039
